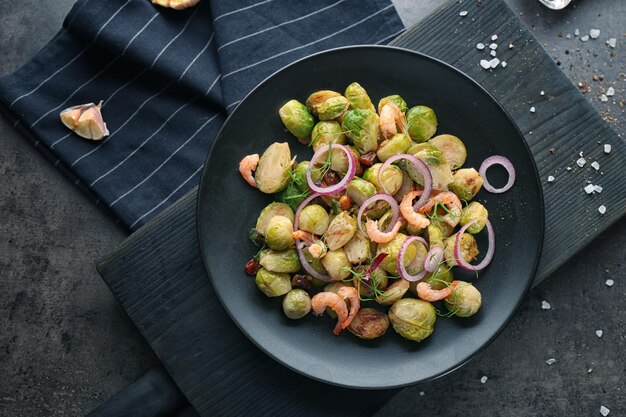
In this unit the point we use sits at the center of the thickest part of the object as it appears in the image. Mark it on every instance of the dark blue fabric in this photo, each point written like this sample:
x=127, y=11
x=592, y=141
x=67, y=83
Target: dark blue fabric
x=168, y=80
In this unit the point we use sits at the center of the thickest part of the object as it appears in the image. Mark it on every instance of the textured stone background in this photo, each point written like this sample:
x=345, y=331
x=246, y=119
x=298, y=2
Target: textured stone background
x=66, y=346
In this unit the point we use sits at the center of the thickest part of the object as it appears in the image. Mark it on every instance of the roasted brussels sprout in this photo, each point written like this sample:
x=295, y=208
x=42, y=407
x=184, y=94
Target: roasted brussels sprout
x=283, y=261
x=474, y=210
x=337, y=264
x=439, y=279
x=435, y=236
x=392, y=248
x=272, y=172
x=395, y=99
x=360, y=190
x=398, y=143
x=438, y=166
x=314, y=219
x=361, y=126
x=271, y=210
x=465, y=300
x=392, y=178
x=334, y=286
x=468, y=248
x=332, y=108
x=296, y=304
x=358, y=248
x=413, y=319
x=319, y=97
x=369, y=323
x=327, y=132
x=299, y=175
x=297, y=120
x=393, y=293
x=340, y=230
x=358, y=98
x=278, y=234
x=466, y=183
x=452, y=148
x=293, y=196
x=368, y=289
x=273, y=284
x=422, y=123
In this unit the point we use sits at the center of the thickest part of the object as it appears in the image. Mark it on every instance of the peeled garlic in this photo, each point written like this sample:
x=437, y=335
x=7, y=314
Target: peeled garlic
x=176, y=4
x=86, y=121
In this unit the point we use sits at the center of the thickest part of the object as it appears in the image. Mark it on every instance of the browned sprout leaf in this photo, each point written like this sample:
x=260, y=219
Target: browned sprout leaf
x=86, y=121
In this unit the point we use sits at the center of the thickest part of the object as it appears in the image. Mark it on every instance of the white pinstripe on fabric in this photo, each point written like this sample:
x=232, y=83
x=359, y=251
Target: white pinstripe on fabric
x=389, y=37
x=76, y=12
x=308, y=44
x=73, y=59
x=241, y=10
x=233, y=104
x=282, y=24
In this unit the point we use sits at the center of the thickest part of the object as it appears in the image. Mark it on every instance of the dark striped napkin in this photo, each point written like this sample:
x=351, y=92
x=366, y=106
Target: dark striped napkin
x=168, y=80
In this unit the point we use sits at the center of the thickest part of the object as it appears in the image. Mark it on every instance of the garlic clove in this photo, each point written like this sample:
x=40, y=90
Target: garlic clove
x=70, y=116
x=176, y=4
x=86, y=121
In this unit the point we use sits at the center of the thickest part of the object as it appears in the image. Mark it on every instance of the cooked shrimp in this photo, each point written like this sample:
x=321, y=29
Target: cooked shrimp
x=376, y=235
x=306, y=237
x=351, y=294
x=426, y=293
x=414, y=218
x=391, y=117
x=317, y=250
x=321, y=300
x=451, y=201
x=247, y=165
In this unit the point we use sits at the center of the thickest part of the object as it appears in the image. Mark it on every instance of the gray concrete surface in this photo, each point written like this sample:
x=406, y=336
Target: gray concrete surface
x=66, y=346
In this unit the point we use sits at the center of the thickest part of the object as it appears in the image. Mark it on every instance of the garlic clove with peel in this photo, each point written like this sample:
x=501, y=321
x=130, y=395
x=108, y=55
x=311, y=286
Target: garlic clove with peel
x=176, y=4
x=86, y=121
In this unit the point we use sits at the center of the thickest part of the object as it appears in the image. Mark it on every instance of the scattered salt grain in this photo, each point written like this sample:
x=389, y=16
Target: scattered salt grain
x=463, y=13
x=612, y=42
x=607, y=148
x=589, y=189
x=604, y=98
x=551, y=361
x=545, y=305
x=581, y=162
x=494, y=63
x=609, y=282
x=576, y=32
x=494, y=37
x=485, y=64
x=483, y=380
x=584, y=38
x=511, y=46
x=532, y=109
x=480, y=46
x=493, y=53
x=595, y=165
x=610, y=91
x=594, y=33
x=602, y=209
x=597, y=189
x=542, y=93
x=568, y=36
x=493, y=46
x=503, y=64
x=550, y=178
x=604, y=411
x=599, y=333
x=422, y=393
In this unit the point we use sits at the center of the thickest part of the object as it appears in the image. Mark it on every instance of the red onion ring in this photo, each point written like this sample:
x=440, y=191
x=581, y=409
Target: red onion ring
x=433, y=258
x=497, y=160
x=375, y=264
x=300, y=245
x=337, y=188
x=490, y=250
x=420, y=166
x=385, y=197
x=404, y=274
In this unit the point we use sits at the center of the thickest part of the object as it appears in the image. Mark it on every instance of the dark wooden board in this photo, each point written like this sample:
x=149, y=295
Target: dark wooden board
x=157, y=274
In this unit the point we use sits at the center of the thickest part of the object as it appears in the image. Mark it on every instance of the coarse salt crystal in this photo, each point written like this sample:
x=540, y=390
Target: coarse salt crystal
x=551, y=361
x=594, y=33
x=493, y=53
x=604, y=411
x=597, y=188
x=494, y=63
x=610, y=91
x=494, y=37
x=604, y=98
x=463, y=13
x=545, y=305
x=483, y=379
x=568, y=36
x=576, y=32
x=584, y=38
x=532, y=109
x=581, y=162
x=493, y=46
x=612, y=42
x=480, y=46
x=550, y=178
x=602, y=209
x=485, y=64
x=542, y=93
x=595, y=165
x=599, y=333
x=607, y=148
x=609, y=282
x=422, y=393
x=589, y=189
x=503, y=64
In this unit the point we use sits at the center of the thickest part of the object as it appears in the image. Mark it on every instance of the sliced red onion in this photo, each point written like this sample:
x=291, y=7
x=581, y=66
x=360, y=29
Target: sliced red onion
x=404, y=274
x=375, y=264
x=395, y=210
x=490, y=250
x=433, y=258
x=300, y=245
x=420, y=166
x=497, y=160
x=337, y=188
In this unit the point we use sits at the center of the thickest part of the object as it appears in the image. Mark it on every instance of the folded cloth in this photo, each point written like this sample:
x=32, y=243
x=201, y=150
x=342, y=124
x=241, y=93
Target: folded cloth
x=168, y=80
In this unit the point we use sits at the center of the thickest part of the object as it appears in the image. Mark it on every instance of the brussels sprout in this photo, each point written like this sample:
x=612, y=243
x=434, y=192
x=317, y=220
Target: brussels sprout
x=437, y=165
x=337, y=264
x=271, y=210
x=313, y=219
x=474, y=210
x=422, y=123
x=369, y=323
x=297, y=120
x=283, y=261
x=273, y=284
x=392, y=178
x=278, y=234
x=332, y=108
x=272, y=172
x=466, y=183
x=468, y=248
x=452, y=148
x=418, y=147
x=435, y=236
x=296, y=304
x=413, y=319
x=398, y=143
x=465, y=300
x=362, y=127
x=378, y=281
x=358, y=248
x=340, y=230
x=319, y=97
x=358, y=98
x=293, y=195
x=299, y=175
x=417, y=264
x=393, y=293
x=327, y=132
x=334, y=286
x=360, y=190
x=392, y=248
x=439, y=279
x=395, y=99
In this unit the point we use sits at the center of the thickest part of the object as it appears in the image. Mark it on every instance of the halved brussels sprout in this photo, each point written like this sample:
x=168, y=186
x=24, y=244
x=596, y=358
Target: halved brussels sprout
x=398, y=143
x=327, y=132
x=314, y=219
x=369, y=323
x=422, y=123
x=278, y=234
x=435, y=236
x=297, y=120
x=337, y=264
x=361, y=126
x=392, y=178
x=340, y=230
x=437, y=165
x=272, y=172
x=284, y=261
x=395, y=99
x=358, y=98
x=465, y=300
x=271, y=210
x=358, y=248
x=360, y=190
x=452, y=148
x=392, y=248
x=273, y=284
x=439, y=279
x=368, y=289
x=466, y=183
x=319, y=97
x=296, y=304
x=413, y=319
x=393, y=293
x=468, y=248
x=474, y=210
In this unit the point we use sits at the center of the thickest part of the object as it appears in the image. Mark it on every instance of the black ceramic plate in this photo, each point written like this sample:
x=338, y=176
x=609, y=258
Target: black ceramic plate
x=228, y=208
